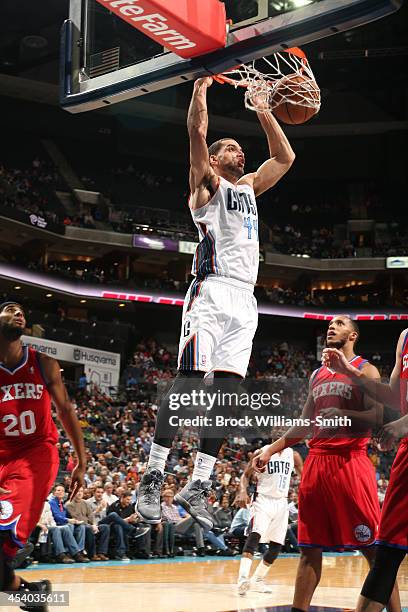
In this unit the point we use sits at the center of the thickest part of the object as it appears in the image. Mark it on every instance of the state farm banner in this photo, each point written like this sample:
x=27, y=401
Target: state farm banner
x=101, y=367
x=186, y=27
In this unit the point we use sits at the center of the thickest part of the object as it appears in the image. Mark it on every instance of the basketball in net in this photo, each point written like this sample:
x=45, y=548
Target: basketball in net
x=295, y=99
x=283, y=84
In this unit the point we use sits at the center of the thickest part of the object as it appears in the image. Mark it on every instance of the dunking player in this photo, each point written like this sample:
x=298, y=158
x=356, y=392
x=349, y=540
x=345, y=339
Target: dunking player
x=269, y=515
x=220, y=313
x=28, y=455
x=338, y=503
x=393, y=531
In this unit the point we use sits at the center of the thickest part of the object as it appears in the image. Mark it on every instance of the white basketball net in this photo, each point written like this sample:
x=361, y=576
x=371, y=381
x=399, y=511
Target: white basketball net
x=271, y=81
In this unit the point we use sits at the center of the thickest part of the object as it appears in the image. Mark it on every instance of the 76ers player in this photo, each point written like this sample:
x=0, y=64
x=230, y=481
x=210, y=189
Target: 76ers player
x=393, y=531
x=28, y=454
x=220, y=313
x=338, y=503
x=269, y=515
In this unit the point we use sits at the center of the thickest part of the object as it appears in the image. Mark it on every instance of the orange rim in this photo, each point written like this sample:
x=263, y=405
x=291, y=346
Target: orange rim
x=223, y=78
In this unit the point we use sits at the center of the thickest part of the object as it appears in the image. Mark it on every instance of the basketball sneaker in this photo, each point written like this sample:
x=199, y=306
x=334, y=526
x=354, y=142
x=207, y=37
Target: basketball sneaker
x=193, y=498
x=243, y=586
x=148, y=497
x=259, y=586
x=36, y=589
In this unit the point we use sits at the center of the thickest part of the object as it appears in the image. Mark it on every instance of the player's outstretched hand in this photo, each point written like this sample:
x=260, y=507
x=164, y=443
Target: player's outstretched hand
x=241, y=499
x=77, y=481
x=259, y=98
x=4, y=491
x=392, y=432
x=261, y=458
x=335, y=360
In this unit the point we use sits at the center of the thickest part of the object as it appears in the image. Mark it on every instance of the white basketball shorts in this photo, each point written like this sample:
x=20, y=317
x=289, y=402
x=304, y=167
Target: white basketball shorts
x=269, y=517
x=220, y=318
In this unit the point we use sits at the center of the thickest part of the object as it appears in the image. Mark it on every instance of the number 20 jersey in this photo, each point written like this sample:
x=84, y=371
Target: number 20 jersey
x=25, y=407
x=228, y=232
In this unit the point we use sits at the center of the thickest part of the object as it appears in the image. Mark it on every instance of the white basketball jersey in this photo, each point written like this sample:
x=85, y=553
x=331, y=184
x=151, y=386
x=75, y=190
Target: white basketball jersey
x=275, y=480
x=228, y=232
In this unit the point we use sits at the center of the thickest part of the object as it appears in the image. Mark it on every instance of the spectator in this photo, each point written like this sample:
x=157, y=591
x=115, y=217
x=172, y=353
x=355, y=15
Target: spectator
x=182, y=526
x=123, y=520
x=223, y=516
x=70, y=533
x=108, y=495
x=81, y=511
x=240, y=522
x=90, y=476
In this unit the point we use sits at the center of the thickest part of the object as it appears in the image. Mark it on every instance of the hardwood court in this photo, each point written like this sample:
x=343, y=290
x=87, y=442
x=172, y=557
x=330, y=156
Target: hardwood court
x=189, y=585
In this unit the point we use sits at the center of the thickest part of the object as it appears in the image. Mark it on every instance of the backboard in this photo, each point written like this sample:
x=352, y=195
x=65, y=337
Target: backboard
x=104, y=60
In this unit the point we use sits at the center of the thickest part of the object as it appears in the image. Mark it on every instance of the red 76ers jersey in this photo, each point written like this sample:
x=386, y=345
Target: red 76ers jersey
x=404, y=376
x=25, y=407
x=330, y=389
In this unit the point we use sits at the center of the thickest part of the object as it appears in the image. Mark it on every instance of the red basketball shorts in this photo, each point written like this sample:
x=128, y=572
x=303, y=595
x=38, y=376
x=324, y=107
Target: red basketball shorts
x=394, y=515
x=338, y=502
x=29, y=477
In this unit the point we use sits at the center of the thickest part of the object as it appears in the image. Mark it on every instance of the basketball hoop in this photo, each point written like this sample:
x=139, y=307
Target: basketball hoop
x=284, y=77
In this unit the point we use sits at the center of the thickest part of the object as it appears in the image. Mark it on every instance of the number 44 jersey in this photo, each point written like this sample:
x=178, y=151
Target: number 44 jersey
x=25, y=407
x=228, y=231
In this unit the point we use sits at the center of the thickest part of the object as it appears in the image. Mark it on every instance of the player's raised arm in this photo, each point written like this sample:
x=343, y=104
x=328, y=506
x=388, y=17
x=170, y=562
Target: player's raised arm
x=372, y=415
x=281, y=154
x=298, y=463
x=197, y=124
x=242, y=496
x=295, y=434
x=67, y=416
x=385, y=393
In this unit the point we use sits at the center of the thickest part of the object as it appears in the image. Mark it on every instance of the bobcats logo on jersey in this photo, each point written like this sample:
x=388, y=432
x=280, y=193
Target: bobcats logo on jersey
x=278, y=467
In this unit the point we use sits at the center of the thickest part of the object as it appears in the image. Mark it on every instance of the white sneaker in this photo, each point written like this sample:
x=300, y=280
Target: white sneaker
x=243, y=586
x=259, y=586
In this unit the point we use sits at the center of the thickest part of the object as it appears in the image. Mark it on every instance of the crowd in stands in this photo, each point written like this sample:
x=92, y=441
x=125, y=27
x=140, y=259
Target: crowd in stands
x=118, y=427
x=300, y=228
x=31, y=189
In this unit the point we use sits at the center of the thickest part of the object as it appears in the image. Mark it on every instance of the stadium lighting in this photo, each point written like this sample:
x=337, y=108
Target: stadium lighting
x=288, y=5
x=17, y=287
x=299, y=3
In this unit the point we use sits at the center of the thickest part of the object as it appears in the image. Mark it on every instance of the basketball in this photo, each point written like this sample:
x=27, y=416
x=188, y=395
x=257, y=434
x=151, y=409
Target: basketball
x=296, y=90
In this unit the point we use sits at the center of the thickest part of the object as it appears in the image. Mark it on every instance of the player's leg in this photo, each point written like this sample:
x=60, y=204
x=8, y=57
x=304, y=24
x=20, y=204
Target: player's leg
x=269, y=557
x=379, y=586
x=28, y=480
x=193, y=497
x=276, y=524
x=307, y=578
x=234, y=328
x=148, y=499
x=392, y=537
x=195, y=348
x=394, y=602
x=250, y=548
